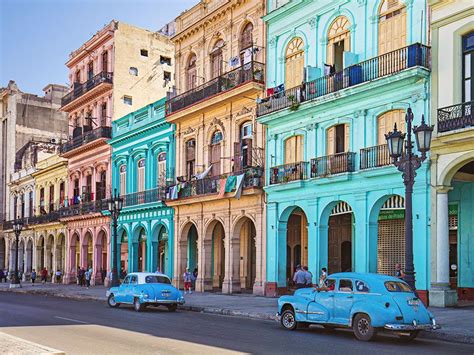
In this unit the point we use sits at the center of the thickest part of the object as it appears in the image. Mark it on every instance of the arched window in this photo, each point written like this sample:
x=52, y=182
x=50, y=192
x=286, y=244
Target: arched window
x=141, y=175
x=161, y=172
x=294, y=149
x=386, y=122
x=215, y=153
x=123, y=179
x=190, y=158
x=339, y=41
x=243, y=148
x=191, y=72
x=217, y=59
x=392, y=26
x=216, y=137
x=294, y=63
x=246, y=37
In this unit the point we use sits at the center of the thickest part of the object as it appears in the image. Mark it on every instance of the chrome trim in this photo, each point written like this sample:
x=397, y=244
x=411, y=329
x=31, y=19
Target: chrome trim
x=411, y=327
x=305, y=312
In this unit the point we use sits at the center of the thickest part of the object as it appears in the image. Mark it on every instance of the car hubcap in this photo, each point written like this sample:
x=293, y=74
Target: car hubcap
x=363, y=326
x=288, y=320
x=112, y=301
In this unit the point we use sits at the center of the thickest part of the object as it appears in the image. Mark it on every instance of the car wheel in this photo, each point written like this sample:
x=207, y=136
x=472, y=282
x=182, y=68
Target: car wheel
x=172, y=307
x=409, y=337
x=288, y=320
x=137, y=305
x=111, y=301
x=362, y=327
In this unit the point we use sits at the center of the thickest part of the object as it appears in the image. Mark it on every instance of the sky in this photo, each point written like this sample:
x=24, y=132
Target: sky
x=36, y=36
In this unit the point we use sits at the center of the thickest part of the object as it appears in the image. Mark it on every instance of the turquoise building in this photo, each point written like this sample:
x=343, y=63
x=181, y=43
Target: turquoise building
x=143, y=155
x=339, y=76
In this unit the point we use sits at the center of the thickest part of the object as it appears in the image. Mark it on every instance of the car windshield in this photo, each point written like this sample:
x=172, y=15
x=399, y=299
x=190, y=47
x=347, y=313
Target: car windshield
x=397, y=286
x=155, y=279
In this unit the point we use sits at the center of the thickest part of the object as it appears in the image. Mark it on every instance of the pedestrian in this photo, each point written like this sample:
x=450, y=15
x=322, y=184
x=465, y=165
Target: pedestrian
x=80, y=276
x=58, y=276
x=33, y=277
x=187, y=281
x=87, y=276
x=323, y=277
x=194, y=276
x=308, y=277
x=44, y=275
x=103, y=274
x=2, y=275
x=398, y=271
x=299, y=277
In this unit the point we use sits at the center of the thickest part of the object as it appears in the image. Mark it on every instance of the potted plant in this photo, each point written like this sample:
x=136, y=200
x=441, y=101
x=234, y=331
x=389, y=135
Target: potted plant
x=294, y=104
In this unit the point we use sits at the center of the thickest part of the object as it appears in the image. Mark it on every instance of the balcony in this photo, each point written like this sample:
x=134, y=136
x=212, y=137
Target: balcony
x=372, y=69
x=86, y=137
x=50, y=217
x=333, y=164
x=374, y=157
x=289, y=172
x=253, y=178
x=148, y=196
x=455, y=117
x=83, y=208
x=80, y=89
x=253, y=71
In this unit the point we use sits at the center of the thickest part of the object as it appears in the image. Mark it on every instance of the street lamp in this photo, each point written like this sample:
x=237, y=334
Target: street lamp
x=408, y=163
x=17, y=227
x=115, y=204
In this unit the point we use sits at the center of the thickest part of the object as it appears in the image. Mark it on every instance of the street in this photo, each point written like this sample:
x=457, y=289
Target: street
x=90, y=327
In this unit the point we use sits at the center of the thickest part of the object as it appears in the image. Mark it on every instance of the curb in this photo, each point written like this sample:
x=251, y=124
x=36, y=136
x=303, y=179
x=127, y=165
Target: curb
x=435, y=335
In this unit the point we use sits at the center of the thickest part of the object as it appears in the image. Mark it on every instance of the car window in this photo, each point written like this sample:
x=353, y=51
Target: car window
x=126, y=281
x=345, y=285
x=133, y=280
x=155, y=279
x=330, y=284
x=397, y=286
x=361, y=286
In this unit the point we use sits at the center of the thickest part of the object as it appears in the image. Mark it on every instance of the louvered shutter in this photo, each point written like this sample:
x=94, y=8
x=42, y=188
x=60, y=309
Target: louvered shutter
x=237, y=157
x=330, y=141
x=347, y=135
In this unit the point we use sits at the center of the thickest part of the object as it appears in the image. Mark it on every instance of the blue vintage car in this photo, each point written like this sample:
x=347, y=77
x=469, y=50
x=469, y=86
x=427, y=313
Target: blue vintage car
x=143, y=289
x=367, y=303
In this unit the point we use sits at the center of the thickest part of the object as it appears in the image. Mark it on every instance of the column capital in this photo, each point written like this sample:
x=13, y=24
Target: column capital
x=443, y=189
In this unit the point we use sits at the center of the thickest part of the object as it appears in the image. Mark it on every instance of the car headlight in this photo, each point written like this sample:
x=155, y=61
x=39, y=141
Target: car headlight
x=145, y=295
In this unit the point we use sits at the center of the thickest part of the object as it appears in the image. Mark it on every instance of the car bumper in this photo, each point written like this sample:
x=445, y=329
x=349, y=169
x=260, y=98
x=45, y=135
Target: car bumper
x=408, y=327
x=159, y=302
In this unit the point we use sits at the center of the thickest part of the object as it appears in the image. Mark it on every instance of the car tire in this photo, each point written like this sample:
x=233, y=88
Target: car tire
x=172, y=307
x=111, y=301
x=288, y=320
x=137, y=305
x=410, y=337
x=362, y=327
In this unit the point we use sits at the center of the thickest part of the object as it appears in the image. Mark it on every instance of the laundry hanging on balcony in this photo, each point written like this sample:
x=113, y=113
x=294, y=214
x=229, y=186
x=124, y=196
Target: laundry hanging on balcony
x=222, y=187
x=204, y=173
x=234, y=62
x=230, y=183
x=240, y=186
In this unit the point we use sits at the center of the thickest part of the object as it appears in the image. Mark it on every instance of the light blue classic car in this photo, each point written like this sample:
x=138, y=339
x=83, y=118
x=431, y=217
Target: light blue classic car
x=143, y=289
x=367, y=303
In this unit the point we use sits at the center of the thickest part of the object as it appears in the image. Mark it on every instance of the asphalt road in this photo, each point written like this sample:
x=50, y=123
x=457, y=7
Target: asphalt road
x=88, y=327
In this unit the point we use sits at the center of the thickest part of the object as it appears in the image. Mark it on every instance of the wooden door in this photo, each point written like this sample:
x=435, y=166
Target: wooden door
x=386, y=122
x=216, y=159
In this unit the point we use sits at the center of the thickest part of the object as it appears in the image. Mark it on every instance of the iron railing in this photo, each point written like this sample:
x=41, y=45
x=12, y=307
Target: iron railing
x=289, y=172
x=253, y=178
x=100, y=132
x=374, y=157
x=253, y=71
x=34, y=220
x=83, y=208
x=333, y=164
x=147, y=196
x=386, y=64
x=80, y=89
x=456, y=117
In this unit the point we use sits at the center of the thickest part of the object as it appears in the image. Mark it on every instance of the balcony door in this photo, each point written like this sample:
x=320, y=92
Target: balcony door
x=339, y=41
x=190, y=158
x=215, y=153
x=294, y=63
x=392, y=26
x=217, y=59
x=191, y=73
x=468, y=68
x=161, y=172
x=294, y=149
x=386, y=122
x=337, y=139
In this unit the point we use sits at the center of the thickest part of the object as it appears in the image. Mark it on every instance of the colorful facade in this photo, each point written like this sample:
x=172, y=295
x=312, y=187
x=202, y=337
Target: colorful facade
x=452, y=168
x=143, y=156
x=337, y=81
x=219, y=74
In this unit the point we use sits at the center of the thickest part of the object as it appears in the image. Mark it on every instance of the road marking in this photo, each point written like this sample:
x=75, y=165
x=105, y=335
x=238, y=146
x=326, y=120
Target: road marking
x=71, y=320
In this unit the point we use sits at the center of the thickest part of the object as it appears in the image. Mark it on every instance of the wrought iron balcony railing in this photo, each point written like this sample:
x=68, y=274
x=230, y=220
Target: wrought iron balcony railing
x=456, y=117
x=383, y=65
x=80, y=89
x=253, y=178
x=333, y=164
x=83, y=208
x=147, y=196
x=100, y=132
x=253, y=71
x=289, y=172
x=49, y=217
x=374, y=157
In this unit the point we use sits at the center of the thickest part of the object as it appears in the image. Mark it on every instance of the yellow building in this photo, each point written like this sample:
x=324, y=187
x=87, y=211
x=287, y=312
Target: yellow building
x=219, y=146
x=452, y=152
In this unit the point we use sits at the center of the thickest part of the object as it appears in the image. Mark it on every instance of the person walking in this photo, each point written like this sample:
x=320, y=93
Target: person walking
x=103, y=274
x=398, y=271
x=194, y=278
x=299, y=277
x=58, y=275
x=187, y=281
x=87, y=276
x=323, y=277
x=44, y=275
x=33, y=276
x=2, y=275
x=81, y=276
x=308, y=277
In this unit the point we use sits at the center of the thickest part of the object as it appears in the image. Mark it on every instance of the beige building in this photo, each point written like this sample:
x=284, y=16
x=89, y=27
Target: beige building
x=219, y=146
x=452, y=152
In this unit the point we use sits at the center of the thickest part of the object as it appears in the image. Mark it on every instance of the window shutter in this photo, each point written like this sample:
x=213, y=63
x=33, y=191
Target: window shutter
x=330, y=141
x=249, y=152
x=382, y=129
x=347, y=136
x=237, y=157
x=289, y=150
x=299, y=149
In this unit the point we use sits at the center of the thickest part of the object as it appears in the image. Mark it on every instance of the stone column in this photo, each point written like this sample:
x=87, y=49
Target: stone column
x=260, y=238
x=441, y=295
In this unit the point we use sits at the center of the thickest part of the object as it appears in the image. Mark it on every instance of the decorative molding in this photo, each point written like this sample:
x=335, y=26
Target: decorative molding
x=272, y=42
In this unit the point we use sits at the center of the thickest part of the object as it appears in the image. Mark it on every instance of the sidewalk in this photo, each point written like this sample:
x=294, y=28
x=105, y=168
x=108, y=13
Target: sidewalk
x=456, y=323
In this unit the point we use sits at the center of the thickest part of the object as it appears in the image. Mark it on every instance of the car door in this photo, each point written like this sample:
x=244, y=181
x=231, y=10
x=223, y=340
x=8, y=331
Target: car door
x=121, y=292
x=343, y=300
x=321, y=310
x=131, y=288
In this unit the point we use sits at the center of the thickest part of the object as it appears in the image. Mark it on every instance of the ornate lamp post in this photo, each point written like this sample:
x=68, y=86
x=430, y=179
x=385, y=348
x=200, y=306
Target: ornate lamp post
x=115, y=204
x=17, y=227
x=408, y=163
